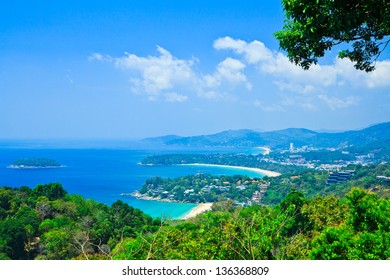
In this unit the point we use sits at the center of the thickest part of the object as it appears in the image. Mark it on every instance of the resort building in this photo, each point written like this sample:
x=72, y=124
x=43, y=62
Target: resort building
x=339, y=177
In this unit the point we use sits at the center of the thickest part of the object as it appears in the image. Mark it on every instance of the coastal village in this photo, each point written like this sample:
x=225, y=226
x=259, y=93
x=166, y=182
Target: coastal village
x=326, y=167
x=327, y=159
x=203, y=188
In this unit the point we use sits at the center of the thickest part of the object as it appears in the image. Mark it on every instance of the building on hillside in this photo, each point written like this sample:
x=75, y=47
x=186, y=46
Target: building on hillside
x=339, y=177
x=383, y=178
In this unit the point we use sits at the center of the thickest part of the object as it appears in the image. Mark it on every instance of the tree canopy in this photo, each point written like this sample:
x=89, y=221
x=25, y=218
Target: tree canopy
x=315, y=26
x=34, y=226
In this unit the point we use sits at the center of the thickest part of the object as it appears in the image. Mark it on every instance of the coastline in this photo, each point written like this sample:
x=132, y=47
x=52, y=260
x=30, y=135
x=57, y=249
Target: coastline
x=201, y=208
x=195, y=211
x=263, y=172
x=34, y=167
x=138, y=195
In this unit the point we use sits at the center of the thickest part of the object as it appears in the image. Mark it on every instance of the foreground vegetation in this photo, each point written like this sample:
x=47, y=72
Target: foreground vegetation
x=47, y=223
x=355, y=227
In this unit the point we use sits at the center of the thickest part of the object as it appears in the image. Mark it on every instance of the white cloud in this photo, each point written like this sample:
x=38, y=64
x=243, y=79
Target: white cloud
x=174, y=97
x=99, y=57
x=337, y=103
x=229, y=71
x=210, y=94
x=157, y=76
x=162, y=75
x=381, y=76
x=286, y=74
x=268, y=107
x=157, y=73
x=253, y=52
x=320, y=81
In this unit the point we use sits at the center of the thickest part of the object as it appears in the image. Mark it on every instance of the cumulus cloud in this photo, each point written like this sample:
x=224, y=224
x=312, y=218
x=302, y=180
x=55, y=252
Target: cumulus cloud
x=286, y=74
x=379, y=77
x=316, y=81
x=229, y=71
x=157, y=74
x=162, y=75
x=253, y=52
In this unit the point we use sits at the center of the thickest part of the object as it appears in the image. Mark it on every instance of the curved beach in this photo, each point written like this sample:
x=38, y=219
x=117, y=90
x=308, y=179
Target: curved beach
x=257, y=170
x=201, y=208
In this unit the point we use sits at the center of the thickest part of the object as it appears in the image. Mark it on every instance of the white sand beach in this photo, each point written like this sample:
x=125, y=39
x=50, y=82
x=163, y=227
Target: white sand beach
x=257, y=170
x=201, y=208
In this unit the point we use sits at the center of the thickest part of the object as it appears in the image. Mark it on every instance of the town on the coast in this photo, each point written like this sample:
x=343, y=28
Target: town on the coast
x=319, y=167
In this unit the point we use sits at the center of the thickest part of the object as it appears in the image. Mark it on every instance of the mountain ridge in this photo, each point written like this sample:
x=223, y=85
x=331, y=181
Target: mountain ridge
x=281, y=138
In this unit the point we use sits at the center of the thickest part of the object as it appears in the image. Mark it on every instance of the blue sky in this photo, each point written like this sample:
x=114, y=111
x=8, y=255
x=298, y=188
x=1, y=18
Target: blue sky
x=133, y=69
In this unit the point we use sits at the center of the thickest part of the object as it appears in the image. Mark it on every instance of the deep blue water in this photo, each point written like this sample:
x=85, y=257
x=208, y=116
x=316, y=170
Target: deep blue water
x=102, y=174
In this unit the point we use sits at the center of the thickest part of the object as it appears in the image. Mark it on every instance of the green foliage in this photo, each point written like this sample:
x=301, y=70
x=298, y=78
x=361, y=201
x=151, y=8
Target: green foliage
x=202, y=188
x=356, y=226
x=324, y=212
x=313, y=27
x=52, y=191
x=35, y=162
x=292, y=207
x=368, y=212
x=46, y=223
x=332, y=244
x=13, y=236
x=298, y=228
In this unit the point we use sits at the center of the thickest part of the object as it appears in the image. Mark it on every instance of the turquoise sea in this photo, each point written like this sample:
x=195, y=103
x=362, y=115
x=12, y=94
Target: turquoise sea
x=104, y=171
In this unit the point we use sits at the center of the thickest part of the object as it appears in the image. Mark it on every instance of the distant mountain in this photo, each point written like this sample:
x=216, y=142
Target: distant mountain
x=163, y=139
x=379, y=133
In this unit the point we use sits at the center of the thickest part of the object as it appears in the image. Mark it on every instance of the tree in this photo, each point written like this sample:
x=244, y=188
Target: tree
x=52, y=191
x=291, y=206
x=315, y=26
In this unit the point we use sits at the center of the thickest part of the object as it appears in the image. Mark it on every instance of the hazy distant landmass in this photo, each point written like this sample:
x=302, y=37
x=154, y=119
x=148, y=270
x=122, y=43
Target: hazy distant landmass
x=29, y=163
x=372, y=136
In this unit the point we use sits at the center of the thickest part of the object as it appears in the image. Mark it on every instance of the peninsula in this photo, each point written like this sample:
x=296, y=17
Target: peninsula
x=261, y=172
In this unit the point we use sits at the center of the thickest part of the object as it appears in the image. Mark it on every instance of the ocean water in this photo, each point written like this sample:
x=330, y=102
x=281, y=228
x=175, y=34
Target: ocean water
x=103, y=174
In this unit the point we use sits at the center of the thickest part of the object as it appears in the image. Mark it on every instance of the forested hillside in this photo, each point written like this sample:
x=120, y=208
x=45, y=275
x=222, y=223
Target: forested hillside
x=355, y=227
x=47, y=223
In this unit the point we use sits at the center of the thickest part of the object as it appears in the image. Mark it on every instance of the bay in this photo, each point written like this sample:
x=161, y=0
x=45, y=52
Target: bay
x=103, y=174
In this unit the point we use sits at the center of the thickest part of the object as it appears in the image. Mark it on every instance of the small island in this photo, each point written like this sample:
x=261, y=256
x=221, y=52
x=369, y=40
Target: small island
x=35, y=163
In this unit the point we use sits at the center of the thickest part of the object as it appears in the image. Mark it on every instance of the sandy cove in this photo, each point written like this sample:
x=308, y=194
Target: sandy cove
x=258, y=170
x=201, y=208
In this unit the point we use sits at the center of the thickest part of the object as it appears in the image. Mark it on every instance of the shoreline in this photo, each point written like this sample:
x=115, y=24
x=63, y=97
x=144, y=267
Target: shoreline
x=34, y=167
x=263, y=172
x=138, y=195
x=197, y=210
